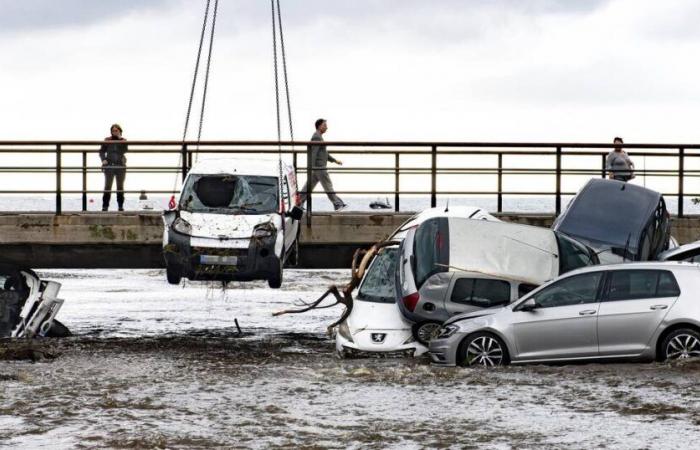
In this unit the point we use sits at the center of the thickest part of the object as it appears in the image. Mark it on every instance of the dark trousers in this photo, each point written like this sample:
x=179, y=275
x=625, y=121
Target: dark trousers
x=110, y=175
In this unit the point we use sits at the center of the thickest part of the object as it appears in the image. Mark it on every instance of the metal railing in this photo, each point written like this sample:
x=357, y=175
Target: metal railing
x=674, y=155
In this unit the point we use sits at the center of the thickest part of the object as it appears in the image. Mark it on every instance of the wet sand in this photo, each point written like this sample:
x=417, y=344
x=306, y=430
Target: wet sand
x=155, y=366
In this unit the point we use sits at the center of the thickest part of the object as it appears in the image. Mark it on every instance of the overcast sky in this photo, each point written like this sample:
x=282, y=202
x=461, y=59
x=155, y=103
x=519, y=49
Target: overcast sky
x=495, y=70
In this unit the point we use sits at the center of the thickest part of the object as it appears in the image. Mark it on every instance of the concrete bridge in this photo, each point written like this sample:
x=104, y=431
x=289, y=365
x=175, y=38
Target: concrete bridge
x=133, y=239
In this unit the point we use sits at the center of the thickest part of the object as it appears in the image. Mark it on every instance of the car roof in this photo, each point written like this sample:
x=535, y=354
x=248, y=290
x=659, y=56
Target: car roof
x=466, y=212
x=659, y=265
x=262, y=166
x=609, y=212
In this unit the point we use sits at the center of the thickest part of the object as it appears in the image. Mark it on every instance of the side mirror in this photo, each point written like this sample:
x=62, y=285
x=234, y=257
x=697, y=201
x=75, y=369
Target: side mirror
x=528, y=305
x=296, y=213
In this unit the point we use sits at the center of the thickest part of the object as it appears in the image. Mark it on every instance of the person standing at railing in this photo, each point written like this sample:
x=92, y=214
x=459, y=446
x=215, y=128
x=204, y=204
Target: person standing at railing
x=114, y=165
x=618, y=163
x=319, y=161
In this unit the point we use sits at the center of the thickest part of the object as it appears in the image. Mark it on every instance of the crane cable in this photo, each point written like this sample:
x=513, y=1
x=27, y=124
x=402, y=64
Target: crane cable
x=277, y=22
x=207, y=8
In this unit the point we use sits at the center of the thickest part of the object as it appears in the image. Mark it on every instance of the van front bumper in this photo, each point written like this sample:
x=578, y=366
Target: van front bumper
x=256, y=262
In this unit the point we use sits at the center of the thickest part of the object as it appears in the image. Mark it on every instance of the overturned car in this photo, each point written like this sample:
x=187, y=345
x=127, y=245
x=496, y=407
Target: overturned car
x=621, y=221
x=233, y=222
x=450, y=266
x=28, y=305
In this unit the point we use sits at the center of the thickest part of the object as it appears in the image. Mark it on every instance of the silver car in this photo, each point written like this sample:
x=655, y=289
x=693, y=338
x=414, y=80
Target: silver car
x=641, y=311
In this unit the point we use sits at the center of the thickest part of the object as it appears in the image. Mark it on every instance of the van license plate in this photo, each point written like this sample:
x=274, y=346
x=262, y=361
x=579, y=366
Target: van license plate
x=218, y=260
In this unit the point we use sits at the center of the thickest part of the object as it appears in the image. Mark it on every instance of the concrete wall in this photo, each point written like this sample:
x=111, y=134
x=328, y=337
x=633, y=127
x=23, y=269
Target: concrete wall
x=133, y=240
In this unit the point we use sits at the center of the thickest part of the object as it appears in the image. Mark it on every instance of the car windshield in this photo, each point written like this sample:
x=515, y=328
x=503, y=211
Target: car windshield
x=573, y=255
x=230, y=194
x=378, y=285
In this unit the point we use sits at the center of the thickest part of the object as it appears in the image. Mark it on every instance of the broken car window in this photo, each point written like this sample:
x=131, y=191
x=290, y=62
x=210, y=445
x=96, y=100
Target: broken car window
x=230, y=194
x=379, y=283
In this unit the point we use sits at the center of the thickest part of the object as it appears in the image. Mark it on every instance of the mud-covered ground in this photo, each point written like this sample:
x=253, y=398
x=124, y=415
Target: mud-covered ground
x=155, y=366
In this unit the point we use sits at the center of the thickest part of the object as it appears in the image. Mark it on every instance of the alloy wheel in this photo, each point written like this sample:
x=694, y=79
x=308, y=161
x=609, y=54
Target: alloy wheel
x=484, y=351
x=683, y=346
x=427, y=331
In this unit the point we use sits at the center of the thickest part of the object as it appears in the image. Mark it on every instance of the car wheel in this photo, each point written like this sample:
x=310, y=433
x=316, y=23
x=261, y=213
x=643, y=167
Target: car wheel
x=173, y=274
x=425, y=331
x=275, y=281
x=58, y=330
x=681, y=344
x=483, y=349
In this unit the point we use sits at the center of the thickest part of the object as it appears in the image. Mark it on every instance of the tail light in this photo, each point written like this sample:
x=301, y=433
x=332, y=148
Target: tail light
x=410, y=301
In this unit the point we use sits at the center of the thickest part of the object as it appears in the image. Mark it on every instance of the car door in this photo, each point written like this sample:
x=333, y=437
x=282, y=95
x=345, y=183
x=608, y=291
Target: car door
x=633, y=305
x=468, y=293
x=563, y=325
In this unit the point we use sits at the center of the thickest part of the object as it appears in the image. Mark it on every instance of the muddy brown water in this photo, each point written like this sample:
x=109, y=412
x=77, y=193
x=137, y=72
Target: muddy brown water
x=164, y=367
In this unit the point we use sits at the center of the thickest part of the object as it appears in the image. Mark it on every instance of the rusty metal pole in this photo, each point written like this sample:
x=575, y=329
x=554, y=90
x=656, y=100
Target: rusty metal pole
x=58, y=180
x=397, y=179
x=681, y=179
x=84, y=181
x=557, y=201
x=433, y=177
x=499, y=206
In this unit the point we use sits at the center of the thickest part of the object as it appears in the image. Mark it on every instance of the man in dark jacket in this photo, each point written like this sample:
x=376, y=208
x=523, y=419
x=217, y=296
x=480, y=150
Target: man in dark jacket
x=114, y=166
x=319, y=162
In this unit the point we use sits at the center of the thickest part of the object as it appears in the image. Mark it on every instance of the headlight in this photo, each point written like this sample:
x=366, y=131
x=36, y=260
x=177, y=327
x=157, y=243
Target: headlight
x=344, y=331
x=447, y=331
x=264, y=230
x=182, y=226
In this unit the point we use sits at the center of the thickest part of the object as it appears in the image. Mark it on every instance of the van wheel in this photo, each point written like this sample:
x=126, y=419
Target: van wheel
x=425, y=331
x=173, y=274
x=275, y=281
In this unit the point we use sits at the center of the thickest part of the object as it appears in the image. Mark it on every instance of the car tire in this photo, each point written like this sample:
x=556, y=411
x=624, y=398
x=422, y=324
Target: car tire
x=173, y=274
x=681, y=344
x=482, y=349
x=275, y=281
x=58, y=330
x=424, y=331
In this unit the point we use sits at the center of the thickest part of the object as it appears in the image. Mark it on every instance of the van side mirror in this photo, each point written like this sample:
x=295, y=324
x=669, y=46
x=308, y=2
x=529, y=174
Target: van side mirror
x=296, y=213
x=528, y=305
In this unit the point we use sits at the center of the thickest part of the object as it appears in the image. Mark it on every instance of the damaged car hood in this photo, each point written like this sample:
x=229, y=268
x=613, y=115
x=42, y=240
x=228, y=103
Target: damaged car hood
x=226, y=226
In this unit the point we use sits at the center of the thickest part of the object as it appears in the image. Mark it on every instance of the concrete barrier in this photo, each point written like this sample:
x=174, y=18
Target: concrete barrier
x=133, y=240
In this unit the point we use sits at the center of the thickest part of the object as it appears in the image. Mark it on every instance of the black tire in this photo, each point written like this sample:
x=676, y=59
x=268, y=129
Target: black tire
x=482, y=349
x=681, y=344
x=173, y=274
x=58, y=330
x=275, y=281
x=423, y=332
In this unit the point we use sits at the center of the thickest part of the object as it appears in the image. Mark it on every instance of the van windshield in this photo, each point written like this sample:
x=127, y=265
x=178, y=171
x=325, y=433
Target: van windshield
x=230, y=194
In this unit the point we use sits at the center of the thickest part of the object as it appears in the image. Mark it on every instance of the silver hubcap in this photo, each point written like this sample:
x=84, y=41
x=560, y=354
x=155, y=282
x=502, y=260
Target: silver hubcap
x=683, y=346
x=428, y=331
x=484, y=351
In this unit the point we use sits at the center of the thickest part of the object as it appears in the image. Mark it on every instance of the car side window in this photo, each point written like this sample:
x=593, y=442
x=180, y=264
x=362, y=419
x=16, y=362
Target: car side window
x=481, y=292
x=640, y=284
x=579, y=289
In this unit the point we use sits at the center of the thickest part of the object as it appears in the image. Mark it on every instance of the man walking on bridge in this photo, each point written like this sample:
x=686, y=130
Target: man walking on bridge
x=319, y=161
x=114, y=166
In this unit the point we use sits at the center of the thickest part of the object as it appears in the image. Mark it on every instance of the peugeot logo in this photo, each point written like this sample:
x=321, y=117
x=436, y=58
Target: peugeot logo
x=378, y=338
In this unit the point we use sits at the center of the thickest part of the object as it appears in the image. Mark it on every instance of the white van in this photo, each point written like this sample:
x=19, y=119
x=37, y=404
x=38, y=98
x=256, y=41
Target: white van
x=230, y=223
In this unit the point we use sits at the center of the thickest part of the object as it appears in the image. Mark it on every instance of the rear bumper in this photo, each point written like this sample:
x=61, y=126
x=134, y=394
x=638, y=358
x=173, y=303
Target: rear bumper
x=257, y=262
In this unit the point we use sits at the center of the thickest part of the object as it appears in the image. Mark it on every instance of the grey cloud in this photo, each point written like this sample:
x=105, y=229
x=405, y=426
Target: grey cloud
x=27, y=15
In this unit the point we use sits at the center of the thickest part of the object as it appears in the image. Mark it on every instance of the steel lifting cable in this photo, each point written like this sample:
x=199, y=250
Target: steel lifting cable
x=284, y=72
x=206, y=76
x=194, y=85
x=277, y=111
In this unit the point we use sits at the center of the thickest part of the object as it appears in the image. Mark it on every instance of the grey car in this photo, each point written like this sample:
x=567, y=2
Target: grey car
x=639, y=311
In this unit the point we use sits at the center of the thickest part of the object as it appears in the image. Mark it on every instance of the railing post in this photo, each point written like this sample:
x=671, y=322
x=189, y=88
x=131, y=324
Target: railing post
x=499, y=202
x=433, y=177
x=294, y=159
x=58, y=180
x=557, y=201
x=602, y=166
x=397, y=183
x=309, y=186
x=184, y=154
x=681, y=179
x=84, y=181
